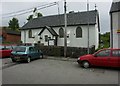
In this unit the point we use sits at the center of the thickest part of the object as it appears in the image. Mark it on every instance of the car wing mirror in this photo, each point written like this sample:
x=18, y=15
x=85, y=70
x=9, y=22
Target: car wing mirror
x=95, y=55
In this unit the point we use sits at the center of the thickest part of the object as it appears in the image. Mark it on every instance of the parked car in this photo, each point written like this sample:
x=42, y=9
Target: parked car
x=5, y=50
x=104, y=57
x=25, y=53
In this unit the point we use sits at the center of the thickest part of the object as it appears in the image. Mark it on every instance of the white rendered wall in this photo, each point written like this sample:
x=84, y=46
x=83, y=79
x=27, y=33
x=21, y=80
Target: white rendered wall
x=72, y=41
x=46, y=32
x=25, y=38
x=79, y=42
x=115, y=23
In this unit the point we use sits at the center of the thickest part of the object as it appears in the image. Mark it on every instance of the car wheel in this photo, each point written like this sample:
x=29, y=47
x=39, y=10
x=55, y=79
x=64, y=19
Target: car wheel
x=28, y=60
x=13, y=60
x=41, y=56
x=85, y=64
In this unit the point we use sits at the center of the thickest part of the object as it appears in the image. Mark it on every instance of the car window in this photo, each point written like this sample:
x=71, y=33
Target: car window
x=116, y=53
x=1, y=47
x=103, y=53
x=36, y=49
x=31, y=49
x=19, y=49
x=14, y=47
x=8, y=47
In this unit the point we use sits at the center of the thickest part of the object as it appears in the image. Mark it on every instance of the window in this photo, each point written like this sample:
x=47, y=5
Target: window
x=31, y=49
x=78, y=32
x=103, y=53
x=30, y=33
x=61, y=32
x=9, y=47
x=116, y=53
x=19, y=49
x=46, y=38
x=1, y=38
x=1, y=47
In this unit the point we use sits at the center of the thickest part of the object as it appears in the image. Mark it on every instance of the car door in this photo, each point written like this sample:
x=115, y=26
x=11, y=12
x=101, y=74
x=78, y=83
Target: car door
x=5, y=51
x=32, y=52
x=8, y=50
x=114, y=60
x=101, y=58
x=37, y=54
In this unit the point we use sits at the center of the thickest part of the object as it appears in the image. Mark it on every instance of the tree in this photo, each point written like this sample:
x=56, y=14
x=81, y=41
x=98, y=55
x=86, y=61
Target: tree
x=34, y=11
x=14, y=24
x=104, y=40
x=30, y=17
x=39, y=15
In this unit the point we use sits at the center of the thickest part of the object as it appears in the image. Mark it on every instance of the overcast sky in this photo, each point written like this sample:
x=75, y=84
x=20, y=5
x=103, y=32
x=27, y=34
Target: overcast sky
x=103, y=6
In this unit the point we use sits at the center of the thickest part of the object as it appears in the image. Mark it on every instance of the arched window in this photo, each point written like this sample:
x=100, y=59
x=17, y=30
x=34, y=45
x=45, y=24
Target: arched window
x=61, y=32
x=78, y=32
x=30, y=33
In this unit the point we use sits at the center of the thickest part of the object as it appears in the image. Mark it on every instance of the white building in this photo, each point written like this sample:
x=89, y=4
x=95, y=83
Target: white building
x=52, y=27
x=115, y=25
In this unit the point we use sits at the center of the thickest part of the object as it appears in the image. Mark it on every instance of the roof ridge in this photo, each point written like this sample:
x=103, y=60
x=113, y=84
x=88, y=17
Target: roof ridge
x=75, y=18
x=67, y=13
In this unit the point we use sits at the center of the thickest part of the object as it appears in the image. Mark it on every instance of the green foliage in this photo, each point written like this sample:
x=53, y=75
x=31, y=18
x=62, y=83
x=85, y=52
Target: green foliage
x=104, y=40
x=39, y=14
x=14, y=24
x=5, y=42
x=31, y=16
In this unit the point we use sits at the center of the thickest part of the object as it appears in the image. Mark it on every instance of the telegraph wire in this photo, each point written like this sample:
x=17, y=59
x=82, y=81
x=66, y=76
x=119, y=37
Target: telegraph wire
x=19, y=12
x=27, y=9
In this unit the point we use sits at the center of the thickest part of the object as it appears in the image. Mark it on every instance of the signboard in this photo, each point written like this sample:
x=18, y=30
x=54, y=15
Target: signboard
x=51, y=42
x=118, y=31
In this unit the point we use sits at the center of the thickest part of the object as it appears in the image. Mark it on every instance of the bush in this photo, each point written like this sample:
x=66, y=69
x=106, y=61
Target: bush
x=73, y=52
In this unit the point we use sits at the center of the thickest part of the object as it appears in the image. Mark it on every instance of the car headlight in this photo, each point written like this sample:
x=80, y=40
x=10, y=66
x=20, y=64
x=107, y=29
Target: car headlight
x=79, y=58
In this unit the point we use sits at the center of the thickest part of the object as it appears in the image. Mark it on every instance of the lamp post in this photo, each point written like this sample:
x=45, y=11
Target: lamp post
x=88, y=25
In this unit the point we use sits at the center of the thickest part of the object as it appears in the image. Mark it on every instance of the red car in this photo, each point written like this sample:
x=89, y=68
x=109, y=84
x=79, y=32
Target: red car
x=5, y=50
x=104, y=57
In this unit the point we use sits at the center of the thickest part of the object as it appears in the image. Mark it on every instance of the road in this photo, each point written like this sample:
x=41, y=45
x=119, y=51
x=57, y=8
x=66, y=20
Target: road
x=46, y=71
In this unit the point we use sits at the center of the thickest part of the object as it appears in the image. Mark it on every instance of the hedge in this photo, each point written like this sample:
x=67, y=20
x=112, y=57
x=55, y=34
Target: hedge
x=72, y=52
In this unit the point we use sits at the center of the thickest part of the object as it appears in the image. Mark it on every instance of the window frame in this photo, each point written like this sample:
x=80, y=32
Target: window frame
x=46, y=38
x=79, y=32
x=61, y=32
x=30, y=33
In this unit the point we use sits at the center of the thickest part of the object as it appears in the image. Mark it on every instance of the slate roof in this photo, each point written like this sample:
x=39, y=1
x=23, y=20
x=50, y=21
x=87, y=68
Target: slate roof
x=50, y=30
x=115, y=7
x=9, y=31
x=76, y=18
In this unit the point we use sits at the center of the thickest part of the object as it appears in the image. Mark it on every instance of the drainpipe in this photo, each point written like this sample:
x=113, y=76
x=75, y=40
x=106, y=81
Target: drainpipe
x=111, y=32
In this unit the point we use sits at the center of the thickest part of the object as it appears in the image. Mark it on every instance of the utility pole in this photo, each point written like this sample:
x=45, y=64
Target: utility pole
x=88, y=25
x=65, y=37
x=24, y=36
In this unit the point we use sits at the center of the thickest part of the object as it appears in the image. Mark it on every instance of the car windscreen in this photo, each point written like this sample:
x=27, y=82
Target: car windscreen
x=9, y=47
x=19, y=49
x=1, y=47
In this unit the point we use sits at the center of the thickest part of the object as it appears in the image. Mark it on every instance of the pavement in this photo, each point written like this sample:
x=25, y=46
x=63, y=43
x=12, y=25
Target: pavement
x=61, y=58
x=7, y=62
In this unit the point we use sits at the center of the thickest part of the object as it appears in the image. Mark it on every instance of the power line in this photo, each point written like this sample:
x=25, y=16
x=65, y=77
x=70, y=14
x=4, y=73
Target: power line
x=17, y=14
x=27, y=9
